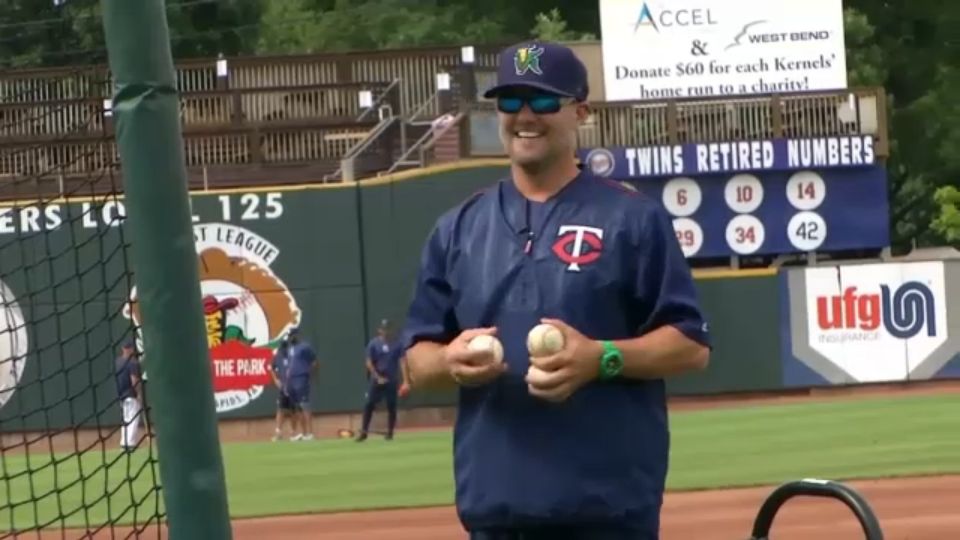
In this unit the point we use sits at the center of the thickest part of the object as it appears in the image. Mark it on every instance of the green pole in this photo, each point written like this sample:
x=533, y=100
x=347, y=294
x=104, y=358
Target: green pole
x=164, y=259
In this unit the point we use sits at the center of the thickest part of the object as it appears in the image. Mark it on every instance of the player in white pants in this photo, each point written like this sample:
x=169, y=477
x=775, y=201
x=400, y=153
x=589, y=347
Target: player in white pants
x=127, y=369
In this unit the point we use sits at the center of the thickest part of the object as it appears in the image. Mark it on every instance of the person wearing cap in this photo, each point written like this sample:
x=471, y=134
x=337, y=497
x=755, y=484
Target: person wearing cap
x=285, y=406
x=128, y=382
x=387, y=378
x=573, y=444
x=302, y=368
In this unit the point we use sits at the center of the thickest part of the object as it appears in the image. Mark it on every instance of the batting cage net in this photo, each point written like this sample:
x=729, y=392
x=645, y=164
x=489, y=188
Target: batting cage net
x=76, y=452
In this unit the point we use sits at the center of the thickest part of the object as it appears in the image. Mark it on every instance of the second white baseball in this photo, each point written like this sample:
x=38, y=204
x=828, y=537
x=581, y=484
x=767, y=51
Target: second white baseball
x=544, y=340
x=486, y=342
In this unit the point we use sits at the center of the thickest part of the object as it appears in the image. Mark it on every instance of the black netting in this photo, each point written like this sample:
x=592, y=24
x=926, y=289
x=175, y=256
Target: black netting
x=64, y=284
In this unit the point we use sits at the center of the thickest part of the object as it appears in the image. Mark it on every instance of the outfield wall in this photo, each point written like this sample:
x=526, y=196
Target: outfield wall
x=335, y=259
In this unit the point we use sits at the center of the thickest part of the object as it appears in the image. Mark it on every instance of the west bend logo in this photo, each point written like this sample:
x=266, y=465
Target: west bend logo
x=904, y=313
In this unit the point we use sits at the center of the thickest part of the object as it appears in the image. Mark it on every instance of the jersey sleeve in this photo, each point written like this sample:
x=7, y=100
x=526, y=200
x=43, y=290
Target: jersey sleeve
x=664, y=282
x=430, y=316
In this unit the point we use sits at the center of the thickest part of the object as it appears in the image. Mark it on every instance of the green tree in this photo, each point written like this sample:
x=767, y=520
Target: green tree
x=370, y=25
x=947, y=223
x=918, y=47
x=552, y=27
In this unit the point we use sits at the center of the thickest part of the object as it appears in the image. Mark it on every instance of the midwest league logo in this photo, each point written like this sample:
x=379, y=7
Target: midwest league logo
x=13, y=344
x=246, y=307
x=578, y=245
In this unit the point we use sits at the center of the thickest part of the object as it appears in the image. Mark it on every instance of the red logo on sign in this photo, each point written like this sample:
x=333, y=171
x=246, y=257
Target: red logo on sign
x=238, y=366
x=578, y=245
x=904, y=312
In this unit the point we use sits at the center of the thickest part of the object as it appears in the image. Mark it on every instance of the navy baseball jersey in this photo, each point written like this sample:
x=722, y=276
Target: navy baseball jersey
x=604, y=259
x=125, y=369
x=385, y=356
x=302, y=358
x=281, y=362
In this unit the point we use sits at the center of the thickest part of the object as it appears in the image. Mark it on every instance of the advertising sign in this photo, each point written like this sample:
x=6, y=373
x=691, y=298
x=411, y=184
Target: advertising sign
x=663, y=49
x=247, y=307
x=13, y=344
x=870, y=323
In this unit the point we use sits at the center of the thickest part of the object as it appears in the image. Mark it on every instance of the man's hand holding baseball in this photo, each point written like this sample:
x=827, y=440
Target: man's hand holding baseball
x=472, y=367
x=556, y=377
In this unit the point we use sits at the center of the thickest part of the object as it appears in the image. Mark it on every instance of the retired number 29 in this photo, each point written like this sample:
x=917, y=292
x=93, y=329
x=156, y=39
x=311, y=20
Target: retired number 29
x=251, y=206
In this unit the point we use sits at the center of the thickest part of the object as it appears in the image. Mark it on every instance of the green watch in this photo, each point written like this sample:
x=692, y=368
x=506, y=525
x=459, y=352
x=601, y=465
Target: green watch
x=611, y=363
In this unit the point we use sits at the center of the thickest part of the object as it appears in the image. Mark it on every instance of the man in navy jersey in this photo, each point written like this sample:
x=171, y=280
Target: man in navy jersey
x=387, y=378
x=578, y=448
x=300, y=373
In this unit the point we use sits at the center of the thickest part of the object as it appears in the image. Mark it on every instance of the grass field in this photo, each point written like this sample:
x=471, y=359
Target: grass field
x=711, y=449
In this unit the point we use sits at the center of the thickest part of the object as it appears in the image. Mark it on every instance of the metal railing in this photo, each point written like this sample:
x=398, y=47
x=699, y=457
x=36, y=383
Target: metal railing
x=348, y=172
x=424, y=144
x=283, y=143
x=73, y=117
x=813, y=114
x=416, y=68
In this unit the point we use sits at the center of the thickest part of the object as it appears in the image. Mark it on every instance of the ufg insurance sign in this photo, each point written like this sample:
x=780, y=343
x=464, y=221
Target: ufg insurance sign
x=873, y=322
x=661, y=49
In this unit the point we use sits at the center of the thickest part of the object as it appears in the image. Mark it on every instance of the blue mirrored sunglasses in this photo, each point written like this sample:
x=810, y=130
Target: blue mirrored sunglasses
x=539, y=104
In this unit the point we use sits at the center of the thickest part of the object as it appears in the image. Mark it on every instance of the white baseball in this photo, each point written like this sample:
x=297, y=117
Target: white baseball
x=536, y=375
x=485, y=342
x=544, y=340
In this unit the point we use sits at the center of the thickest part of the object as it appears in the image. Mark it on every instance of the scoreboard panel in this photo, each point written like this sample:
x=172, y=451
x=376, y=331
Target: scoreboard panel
x=760, y=197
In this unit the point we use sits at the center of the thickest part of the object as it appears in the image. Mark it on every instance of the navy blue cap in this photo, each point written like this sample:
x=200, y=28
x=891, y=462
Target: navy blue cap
x=550, y=67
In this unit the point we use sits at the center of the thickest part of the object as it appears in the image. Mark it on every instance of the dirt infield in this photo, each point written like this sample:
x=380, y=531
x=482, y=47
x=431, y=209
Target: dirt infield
x=908, y=508
x=923, y=508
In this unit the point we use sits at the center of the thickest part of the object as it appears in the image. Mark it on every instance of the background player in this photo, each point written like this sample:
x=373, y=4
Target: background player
x=127, y=370
x=575, y=444
x=300, y=374
x=285, y=408
x=385, y=365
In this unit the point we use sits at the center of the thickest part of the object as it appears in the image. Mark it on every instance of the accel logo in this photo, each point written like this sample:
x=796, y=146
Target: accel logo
x=904, y=313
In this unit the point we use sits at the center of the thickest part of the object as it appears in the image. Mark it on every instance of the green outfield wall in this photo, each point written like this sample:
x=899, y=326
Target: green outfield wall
x=333, y=260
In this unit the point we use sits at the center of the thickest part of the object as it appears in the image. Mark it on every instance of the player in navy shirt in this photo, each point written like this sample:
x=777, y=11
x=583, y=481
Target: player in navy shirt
x=129, y=385
x=579, y=449
x=387, y=378
x=300, y=370
x=285, y=407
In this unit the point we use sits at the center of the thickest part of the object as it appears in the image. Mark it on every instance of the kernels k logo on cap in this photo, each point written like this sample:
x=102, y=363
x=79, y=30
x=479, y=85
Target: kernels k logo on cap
x=528, y=59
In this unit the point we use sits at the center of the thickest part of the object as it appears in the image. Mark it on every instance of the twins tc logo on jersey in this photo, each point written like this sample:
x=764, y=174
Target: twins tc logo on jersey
x=578, y=245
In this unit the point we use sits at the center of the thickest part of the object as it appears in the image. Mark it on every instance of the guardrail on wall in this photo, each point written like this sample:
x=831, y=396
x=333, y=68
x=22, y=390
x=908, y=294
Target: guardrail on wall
x=416, y=68
x=860, y=111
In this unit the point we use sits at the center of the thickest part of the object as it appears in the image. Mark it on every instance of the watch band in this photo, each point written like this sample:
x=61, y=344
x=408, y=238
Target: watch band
x=611, y=362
